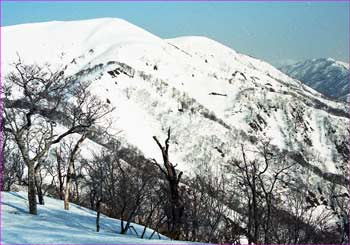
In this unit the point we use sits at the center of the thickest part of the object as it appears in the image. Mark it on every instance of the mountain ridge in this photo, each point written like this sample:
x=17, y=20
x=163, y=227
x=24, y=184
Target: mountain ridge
x=326, y=75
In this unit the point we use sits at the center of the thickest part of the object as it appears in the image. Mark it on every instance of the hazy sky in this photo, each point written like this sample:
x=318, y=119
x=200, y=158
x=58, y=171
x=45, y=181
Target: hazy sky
x=274, y=31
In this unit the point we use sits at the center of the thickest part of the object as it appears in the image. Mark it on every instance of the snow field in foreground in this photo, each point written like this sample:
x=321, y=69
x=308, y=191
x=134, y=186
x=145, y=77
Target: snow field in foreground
x=54, y=225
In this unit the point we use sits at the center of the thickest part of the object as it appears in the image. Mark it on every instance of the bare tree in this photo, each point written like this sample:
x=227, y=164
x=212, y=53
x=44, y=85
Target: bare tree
x=98, y=182
x=38, y=90
x=152, y=204
x=56, y=169
x=137, y=182
x=248, y=173
x=12, y=165
x=34, y=97
x=60, y=167
x=206, y=212
x=84, y=112
x=173, y=178
x=267, y=182
x=120, y=187
x=70, y=171
x=258, y=181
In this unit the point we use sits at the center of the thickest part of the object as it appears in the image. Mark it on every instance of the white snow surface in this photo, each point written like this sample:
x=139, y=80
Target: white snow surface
x=54, y=225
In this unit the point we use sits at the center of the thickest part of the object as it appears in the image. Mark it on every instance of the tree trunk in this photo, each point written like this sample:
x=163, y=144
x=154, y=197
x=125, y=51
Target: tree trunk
x=68, y=187
x=31, y=189
x=98, y=205
x=255, y=214
x=76, y=182
x=77, y=191
x=128, y=221
x=70, y=171
x=148, y=221
x=38, y=184
x=122, y=231
x=268, y=219
x=156, y=228
x=59, y=171
x=66, y=195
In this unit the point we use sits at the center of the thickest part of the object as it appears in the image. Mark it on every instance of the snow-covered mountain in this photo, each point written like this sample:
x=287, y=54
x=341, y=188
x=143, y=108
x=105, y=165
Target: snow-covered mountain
x=56, y=226
x=213, y=98
x=325, y=75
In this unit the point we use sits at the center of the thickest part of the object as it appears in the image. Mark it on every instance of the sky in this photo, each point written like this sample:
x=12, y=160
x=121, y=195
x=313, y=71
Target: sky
x=278, y=32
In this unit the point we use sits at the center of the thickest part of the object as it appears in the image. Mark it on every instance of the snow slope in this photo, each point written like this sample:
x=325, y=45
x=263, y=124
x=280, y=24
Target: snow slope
x=210, y=95
x=54, y=225
x=326, y=75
